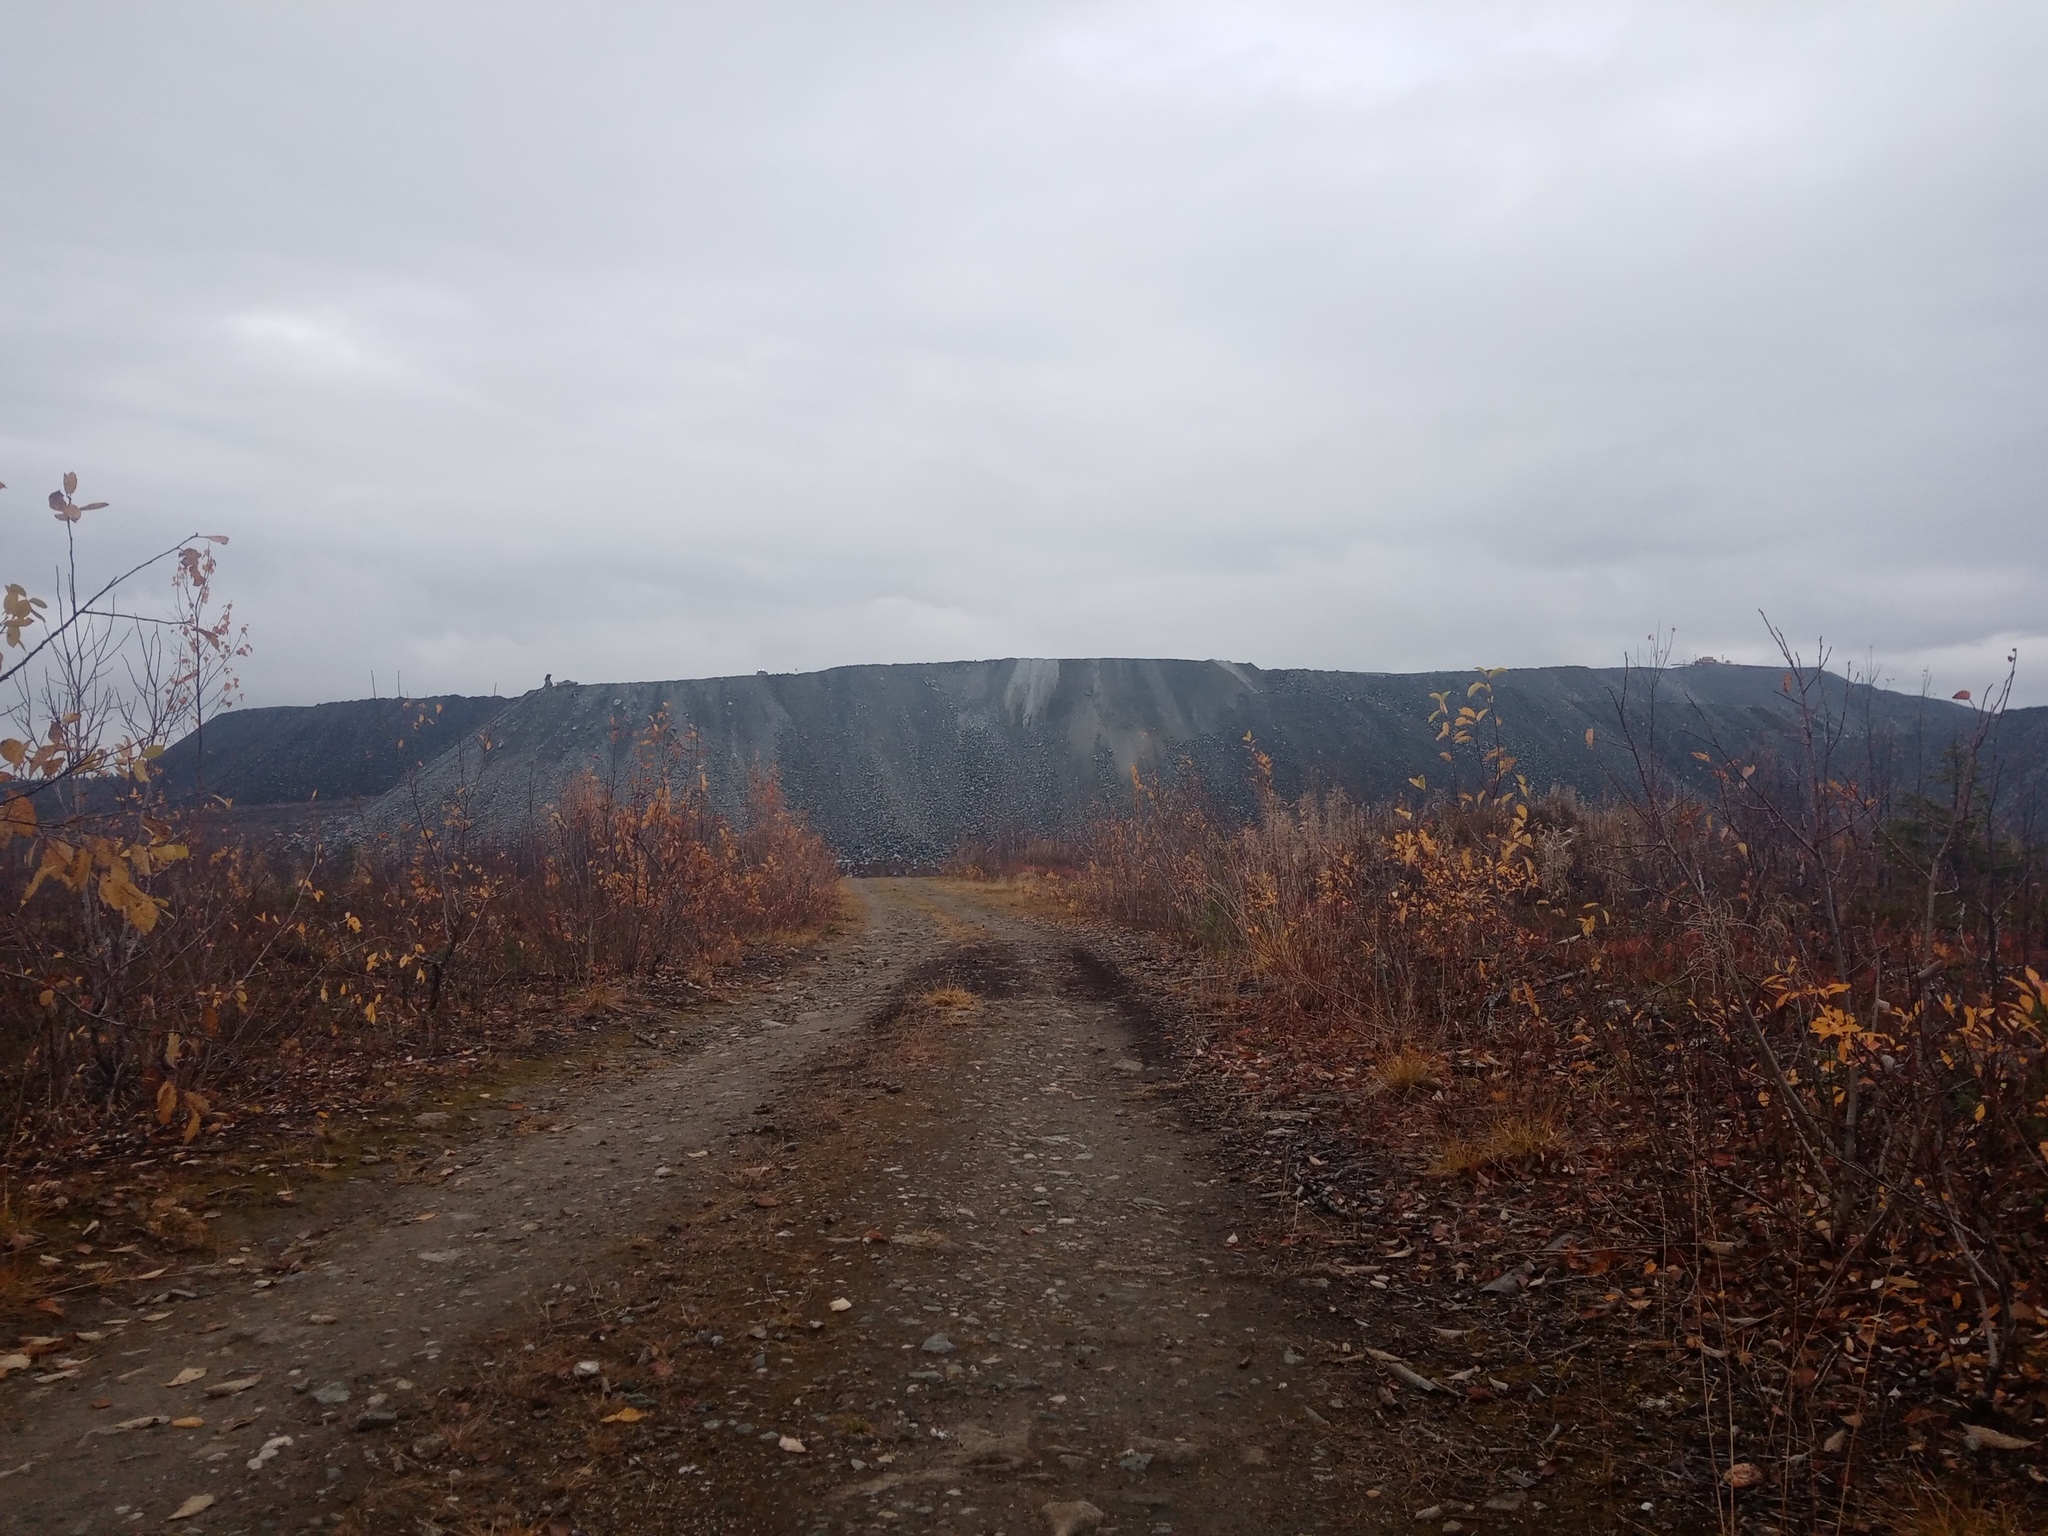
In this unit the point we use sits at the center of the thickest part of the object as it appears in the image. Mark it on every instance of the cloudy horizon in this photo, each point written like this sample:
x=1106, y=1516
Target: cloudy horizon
x=625, y=342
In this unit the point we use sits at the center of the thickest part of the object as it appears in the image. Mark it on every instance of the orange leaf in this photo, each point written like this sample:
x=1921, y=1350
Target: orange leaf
x=18, y=813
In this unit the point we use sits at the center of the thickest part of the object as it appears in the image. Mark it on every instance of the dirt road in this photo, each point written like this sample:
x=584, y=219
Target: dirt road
x=916, y=1239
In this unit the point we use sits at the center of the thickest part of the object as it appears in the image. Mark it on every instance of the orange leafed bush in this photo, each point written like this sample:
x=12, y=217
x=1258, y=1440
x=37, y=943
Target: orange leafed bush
x=1797, y=1011
x=152, y=957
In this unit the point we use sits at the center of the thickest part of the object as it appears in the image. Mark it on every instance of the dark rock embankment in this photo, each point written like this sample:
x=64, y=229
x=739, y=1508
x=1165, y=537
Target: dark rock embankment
x=899, y=766
x=356, y=749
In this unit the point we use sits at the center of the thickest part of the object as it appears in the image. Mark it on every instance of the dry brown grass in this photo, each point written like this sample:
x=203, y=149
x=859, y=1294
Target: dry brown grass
x=176, y=1227
x=1515, y=1139
x=601, y=1000
x=949, y=1000
x=1406, y=1069
x=1940, y=1515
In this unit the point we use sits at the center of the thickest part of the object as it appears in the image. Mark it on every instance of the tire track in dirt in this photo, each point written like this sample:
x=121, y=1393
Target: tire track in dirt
x=344, y=1351
x=1046, y=1317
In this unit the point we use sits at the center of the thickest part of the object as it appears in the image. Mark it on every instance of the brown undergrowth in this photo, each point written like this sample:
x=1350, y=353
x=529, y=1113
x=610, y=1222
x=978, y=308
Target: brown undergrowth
x=165, y=978
x=85, y=1219
x=1761, y=1059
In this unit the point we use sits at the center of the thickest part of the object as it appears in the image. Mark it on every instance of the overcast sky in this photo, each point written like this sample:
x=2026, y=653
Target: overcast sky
x=651, y=341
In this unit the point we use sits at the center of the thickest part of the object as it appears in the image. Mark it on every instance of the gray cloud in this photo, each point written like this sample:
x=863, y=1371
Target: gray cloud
x=624, y=342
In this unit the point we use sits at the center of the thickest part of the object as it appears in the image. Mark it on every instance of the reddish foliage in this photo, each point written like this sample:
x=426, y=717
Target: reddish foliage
x=1782, y=1038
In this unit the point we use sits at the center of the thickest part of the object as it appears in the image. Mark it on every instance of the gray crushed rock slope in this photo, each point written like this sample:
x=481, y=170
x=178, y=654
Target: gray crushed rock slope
x=899, y=765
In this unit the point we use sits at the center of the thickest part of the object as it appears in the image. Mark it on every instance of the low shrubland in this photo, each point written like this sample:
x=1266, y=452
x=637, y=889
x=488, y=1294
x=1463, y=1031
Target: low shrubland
x=165, y=971
x=1779, y=1036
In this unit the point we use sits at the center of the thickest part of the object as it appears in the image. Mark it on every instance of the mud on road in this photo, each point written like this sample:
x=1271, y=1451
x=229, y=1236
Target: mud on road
x=919, y=1239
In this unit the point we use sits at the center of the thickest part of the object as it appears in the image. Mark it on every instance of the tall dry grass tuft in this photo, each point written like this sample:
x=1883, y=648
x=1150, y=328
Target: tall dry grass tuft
x=1404, y=1070
x=1508, y=1140
x=1938, y=1514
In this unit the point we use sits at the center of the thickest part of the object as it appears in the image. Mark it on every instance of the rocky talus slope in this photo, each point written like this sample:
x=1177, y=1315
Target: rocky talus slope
x=898, y=766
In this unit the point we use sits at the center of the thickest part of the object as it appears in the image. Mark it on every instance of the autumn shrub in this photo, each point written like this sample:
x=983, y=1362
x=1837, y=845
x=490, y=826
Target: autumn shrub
x=157, y=965
x=636, y=870
x=259, y=953
x=1794, y=1014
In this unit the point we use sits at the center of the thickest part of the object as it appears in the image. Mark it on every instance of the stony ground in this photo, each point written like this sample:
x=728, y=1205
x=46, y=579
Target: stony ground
x=921, y=1238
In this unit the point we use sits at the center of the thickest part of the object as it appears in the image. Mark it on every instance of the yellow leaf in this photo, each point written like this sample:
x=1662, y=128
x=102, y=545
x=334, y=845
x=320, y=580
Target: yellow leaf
x=191, y=1128
x=166, y=1103
x=57, y=863
x=173, y=1046
x=628, y=1415
x=128, y=899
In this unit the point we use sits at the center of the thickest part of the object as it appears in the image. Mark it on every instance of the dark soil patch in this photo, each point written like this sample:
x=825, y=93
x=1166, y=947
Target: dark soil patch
x=986, y=969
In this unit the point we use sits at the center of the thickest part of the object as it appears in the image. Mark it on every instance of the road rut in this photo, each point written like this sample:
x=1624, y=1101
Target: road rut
x=919, y=1240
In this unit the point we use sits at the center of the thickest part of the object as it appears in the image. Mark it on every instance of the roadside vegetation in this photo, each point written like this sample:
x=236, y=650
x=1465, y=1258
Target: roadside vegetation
x=166, y=976
x=1765, y=1063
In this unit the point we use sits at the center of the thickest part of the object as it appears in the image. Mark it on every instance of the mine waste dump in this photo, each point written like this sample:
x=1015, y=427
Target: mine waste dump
x=898, y=767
